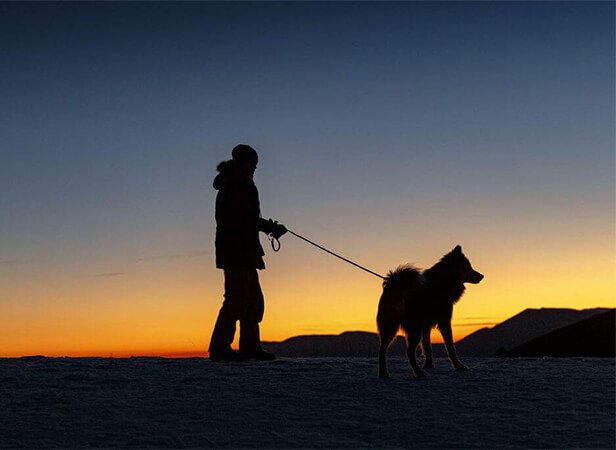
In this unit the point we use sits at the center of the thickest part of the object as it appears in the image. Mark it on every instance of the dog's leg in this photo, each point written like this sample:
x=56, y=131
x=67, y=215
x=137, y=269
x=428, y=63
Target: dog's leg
x=445, y=327
x=427, y=348
x=413, y=336
x=386, y=336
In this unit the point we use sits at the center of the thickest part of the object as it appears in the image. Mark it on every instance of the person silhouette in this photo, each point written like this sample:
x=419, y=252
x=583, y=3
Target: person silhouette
x=239, y=254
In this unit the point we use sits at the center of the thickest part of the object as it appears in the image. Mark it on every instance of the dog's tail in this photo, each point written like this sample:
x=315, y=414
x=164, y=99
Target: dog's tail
x=405, y=275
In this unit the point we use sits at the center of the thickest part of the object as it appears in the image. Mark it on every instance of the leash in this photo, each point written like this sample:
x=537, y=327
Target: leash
x=276, y=246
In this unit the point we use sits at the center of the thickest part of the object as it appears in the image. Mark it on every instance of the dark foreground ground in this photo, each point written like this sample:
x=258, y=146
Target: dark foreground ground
x=305, y=403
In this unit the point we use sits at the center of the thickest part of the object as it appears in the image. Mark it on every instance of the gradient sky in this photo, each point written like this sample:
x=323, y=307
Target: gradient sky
x=388, y=132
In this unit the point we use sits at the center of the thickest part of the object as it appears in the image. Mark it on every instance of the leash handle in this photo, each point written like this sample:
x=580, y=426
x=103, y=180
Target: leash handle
x=328, y=251
x=275, y=243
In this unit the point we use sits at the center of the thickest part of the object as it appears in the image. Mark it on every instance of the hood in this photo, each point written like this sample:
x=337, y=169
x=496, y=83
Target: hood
x=227, y=173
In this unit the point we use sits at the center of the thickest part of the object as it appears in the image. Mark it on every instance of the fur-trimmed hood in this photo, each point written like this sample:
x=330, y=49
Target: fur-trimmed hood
x=227, y=172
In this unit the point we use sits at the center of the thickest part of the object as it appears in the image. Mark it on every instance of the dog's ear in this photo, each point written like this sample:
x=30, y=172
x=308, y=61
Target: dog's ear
x=458, y=249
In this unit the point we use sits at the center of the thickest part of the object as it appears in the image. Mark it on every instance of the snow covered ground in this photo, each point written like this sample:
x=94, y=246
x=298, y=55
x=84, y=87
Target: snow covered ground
x=305, y=403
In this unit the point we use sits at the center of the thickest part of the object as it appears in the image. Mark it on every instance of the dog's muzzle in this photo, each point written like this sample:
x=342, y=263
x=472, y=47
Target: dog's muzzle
x=473, y=277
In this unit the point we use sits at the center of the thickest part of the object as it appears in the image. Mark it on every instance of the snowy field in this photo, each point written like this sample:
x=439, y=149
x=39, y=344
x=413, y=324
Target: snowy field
x=305, y=403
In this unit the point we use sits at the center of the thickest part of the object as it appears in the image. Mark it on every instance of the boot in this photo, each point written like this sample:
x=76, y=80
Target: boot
x=227, y=355
x=250, y=342
x=262, y=355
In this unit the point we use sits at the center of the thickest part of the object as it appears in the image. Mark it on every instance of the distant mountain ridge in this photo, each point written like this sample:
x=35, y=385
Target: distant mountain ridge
x=573, y=340
x=523, y=327
x=349, y=343
x=527, y=325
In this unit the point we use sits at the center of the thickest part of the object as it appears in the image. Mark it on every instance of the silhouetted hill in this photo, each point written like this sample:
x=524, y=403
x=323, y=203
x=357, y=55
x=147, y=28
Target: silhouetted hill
x=527, y=325
x=589, y=337
x=349, y=343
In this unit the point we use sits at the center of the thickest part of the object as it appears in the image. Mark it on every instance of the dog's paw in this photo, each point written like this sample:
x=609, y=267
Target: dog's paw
x=461, y=367
x=383, y=374
x=428, y=366
x=421, y=374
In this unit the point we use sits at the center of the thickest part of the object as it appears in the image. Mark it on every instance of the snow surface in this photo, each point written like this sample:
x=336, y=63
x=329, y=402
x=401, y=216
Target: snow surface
x=305, y=403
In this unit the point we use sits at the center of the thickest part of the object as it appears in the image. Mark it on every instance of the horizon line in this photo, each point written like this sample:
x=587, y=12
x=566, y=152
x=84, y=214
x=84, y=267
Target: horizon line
x=205, y=354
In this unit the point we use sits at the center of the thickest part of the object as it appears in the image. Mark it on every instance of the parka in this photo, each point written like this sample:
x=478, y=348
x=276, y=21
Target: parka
x=238, y=220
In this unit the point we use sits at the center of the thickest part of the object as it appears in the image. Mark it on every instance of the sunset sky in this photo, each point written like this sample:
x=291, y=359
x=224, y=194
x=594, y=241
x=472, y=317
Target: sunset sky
x=387, y=132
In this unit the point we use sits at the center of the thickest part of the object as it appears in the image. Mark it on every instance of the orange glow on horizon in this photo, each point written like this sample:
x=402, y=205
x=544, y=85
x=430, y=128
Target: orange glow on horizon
x=168, y=308
x=459, y=333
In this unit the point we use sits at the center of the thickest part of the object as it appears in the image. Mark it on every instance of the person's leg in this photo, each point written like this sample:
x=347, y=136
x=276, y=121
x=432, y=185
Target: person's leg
x=230, y=312
x=250, y=338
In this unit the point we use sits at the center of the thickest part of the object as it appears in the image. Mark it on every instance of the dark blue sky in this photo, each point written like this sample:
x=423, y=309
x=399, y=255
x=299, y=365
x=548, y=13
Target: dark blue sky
x=110, y=107
x=489, y=123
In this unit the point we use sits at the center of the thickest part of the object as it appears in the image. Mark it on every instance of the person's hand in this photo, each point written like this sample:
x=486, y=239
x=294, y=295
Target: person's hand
x=278, y=230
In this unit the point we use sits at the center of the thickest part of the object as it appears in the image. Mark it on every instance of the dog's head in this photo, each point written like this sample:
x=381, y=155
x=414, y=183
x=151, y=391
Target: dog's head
x=463, y=266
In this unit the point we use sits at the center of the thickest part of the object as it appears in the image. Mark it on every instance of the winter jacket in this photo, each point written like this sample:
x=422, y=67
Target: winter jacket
x=238, y=220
